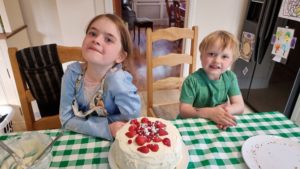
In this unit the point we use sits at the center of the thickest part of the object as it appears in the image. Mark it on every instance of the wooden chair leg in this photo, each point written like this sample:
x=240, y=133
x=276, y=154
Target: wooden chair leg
x=138, y=35
x=133, y=32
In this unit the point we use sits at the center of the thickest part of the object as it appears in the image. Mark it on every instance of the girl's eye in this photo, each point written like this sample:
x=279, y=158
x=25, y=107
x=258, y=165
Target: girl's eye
x=108, y=39
x=92, y=33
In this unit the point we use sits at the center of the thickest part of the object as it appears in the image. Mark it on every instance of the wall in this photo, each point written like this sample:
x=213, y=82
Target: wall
x=41, y=18
x=13, y=21
x=64, y=21
x=211, y=15
x=61, y=21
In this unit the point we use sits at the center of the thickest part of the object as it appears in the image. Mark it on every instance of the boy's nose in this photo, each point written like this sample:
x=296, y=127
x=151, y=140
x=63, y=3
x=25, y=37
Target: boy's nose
x=217, y=59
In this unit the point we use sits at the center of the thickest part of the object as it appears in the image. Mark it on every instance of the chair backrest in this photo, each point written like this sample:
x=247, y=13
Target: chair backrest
x=170, y=12
x=179, y=18
x=170, y=59
x=65, y=54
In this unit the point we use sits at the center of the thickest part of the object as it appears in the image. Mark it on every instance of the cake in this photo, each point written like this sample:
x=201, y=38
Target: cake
x=151, y=143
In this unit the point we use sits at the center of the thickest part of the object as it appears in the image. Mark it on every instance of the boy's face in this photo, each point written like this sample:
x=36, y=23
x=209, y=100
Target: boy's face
x=216, y=61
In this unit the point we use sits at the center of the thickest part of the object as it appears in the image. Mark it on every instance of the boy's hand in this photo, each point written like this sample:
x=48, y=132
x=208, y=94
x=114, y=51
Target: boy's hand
x=222, y=117
x=222, y=127
x=115, y=127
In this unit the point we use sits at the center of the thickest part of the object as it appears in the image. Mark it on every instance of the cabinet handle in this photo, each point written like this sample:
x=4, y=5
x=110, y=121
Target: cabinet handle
x=8, y=73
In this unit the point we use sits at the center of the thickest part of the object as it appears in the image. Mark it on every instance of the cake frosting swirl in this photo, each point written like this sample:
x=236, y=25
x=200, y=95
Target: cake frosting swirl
x=147, y=143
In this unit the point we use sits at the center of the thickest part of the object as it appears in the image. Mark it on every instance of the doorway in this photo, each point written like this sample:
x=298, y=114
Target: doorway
x=137, y=64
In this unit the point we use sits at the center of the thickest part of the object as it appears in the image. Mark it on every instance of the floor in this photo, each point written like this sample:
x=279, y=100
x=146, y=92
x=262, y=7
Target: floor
x=137, y=66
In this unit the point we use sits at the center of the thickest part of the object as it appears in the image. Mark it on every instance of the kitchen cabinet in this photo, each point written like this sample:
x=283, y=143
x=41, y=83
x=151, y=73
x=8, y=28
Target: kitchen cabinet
x=296, y=112
x=152, y=9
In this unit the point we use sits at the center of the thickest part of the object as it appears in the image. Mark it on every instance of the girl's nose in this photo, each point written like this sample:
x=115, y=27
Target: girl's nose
x=97, y=40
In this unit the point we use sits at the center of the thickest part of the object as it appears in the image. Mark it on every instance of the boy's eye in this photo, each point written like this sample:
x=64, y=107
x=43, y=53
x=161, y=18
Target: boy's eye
x=212, y=54
x=225, y=56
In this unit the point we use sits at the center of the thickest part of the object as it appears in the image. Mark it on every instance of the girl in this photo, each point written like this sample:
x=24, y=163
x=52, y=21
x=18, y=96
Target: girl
x=98, y=96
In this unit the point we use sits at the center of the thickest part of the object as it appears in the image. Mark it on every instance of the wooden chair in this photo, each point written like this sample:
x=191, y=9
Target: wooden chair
x=141, y=23
x=170, y=12
x=168, y=110
x=179, y=16
x=65, y=54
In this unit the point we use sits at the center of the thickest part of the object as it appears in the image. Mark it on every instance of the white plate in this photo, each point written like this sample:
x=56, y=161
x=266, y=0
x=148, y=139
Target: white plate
x=271, y=152
x=183, y=164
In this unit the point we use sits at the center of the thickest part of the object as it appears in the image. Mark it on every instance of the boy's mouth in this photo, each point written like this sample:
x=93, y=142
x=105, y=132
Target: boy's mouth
x=215, y=67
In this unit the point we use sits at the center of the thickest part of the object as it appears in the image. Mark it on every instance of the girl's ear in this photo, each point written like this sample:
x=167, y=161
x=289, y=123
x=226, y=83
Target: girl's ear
x=122, y=57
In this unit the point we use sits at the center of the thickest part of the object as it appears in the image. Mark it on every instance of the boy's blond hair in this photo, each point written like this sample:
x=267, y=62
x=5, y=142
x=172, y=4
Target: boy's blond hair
x=225, y=38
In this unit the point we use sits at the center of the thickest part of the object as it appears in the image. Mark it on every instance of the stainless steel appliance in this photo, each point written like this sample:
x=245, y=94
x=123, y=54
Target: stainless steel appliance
x=267, y=85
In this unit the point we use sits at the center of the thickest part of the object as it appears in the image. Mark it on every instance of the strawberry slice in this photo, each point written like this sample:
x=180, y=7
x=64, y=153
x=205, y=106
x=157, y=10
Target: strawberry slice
x=167, y=142
x=143, y=149
x=153, y=147
x=162, y=132
x=160, y=125
x=134, y=121
x=156, y=139
x=133, y=127
x=140, y=140
x=144, y=120
x=130, y=134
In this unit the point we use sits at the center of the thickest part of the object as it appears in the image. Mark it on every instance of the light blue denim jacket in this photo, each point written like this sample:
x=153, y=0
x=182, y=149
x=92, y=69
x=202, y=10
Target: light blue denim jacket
x=120, y=99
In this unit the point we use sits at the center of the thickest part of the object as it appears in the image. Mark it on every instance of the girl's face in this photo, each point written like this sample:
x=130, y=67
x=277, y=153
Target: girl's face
x=216, y=61
x=102, y=44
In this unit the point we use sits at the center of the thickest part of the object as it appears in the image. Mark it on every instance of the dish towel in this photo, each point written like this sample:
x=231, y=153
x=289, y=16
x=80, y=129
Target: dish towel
x=42, y=70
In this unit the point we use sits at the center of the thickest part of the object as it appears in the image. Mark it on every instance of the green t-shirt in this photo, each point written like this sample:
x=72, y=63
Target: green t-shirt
x=199, y=91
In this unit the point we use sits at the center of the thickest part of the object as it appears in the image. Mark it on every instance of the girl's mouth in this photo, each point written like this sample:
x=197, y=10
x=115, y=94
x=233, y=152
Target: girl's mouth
x=94, y=49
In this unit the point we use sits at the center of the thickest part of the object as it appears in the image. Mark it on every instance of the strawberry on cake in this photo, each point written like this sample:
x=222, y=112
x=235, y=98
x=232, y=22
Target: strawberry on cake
x=151, y=143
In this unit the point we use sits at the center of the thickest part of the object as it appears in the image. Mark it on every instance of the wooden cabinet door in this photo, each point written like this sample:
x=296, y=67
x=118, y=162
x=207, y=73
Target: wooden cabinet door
x=117, y=7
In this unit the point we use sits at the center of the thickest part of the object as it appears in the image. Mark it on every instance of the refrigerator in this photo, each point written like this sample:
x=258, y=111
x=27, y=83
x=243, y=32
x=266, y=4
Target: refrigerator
x=266, y=83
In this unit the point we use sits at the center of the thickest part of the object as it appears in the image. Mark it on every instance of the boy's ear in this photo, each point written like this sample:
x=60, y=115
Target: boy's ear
x=122, y=57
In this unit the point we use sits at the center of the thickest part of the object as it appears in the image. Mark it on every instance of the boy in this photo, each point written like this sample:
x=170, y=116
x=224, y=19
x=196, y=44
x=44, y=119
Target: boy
x=212, y=92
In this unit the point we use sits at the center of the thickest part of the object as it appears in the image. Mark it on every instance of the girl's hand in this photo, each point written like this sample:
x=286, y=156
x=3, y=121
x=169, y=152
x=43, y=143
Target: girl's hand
x=115, y=127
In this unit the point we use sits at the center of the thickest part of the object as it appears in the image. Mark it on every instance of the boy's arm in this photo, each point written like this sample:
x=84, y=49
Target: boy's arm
x=215, y=114
x=187, y=111
x=236, y=105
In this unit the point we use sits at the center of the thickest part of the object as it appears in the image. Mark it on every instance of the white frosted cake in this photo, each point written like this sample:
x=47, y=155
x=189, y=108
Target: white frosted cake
x=151, y=143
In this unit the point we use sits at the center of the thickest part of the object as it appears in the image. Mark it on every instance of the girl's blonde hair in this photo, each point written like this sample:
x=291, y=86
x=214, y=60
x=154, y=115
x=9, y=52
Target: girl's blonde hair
x=225, y=38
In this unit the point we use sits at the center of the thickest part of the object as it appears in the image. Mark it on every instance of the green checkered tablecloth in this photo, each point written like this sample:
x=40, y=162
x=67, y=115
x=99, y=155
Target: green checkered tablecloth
x=75, y=150
x=208, y=146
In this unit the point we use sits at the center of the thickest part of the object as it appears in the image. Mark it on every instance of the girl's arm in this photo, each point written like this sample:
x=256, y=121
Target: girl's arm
x=124, y=95
x=93, y=125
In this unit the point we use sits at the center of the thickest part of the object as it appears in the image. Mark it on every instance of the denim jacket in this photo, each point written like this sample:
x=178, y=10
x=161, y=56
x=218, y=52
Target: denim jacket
x=120, y=99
